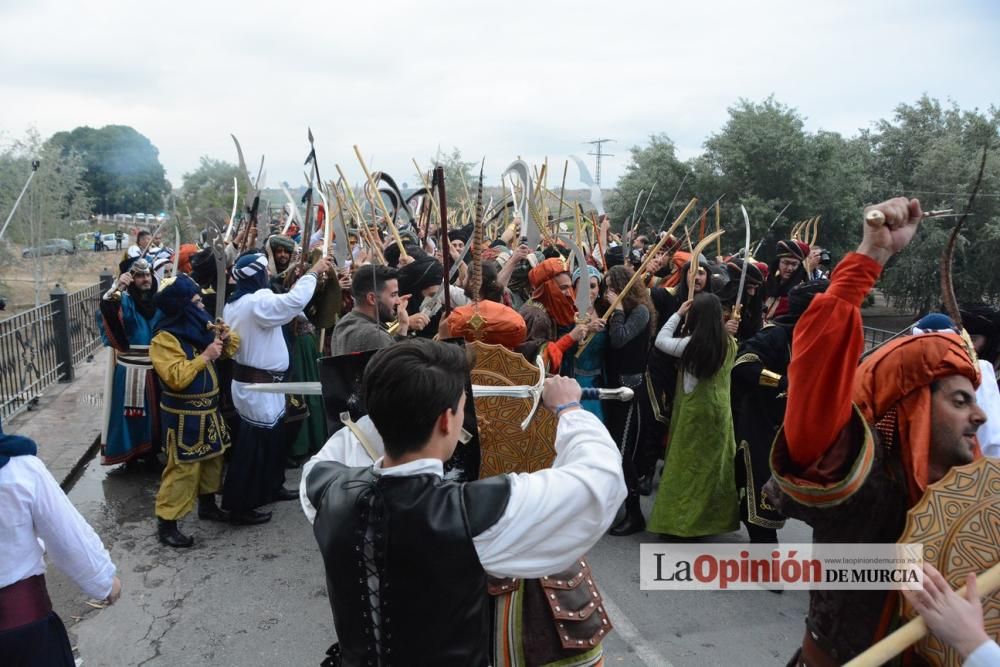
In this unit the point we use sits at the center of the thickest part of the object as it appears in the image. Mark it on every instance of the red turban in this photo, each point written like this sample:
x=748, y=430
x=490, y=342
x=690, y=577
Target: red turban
x=184, y=257
x=502, y=325
x=558, y=305
x=899, y=376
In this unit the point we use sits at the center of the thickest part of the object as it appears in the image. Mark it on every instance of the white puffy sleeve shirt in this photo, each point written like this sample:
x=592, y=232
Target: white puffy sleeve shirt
x=258, y=319
x=553, y=516
x=37, y=518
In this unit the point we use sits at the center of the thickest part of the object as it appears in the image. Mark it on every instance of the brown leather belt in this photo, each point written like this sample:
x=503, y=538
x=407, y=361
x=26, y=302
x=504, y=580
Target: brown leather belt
x=243, y=373
x=24, y=602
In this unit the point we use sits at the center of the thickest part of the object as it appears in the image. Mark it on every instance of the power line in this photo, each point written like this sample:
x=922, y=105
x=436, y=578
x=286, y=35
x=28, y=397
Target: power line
x=600, y=154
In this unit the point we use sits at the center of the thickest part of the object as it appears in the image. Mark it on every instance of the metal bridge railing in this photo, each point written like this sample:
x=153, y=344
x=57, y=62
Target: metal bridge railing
x=40, y=346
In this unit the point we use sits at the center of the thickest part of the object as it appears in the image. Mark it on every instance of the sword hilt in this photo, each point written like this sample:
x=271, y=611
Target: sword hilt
x=623, y=394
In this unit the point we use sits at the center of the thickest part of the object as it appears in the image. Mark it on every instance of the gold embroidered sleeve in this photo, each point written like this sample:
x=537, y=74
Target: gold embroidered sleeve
x=231, y=345
x=171, y=363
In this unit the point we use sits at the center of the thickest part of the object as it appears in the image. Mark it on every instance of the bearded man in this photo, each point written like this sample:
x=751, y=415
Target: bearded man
x=861, y=444
x=128, y=319
x=183, y=351
x=550, y=315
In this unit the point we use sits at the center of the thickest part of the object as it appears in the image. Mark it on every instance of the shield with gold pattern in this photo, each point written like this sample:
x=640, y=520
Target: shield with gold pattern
x=958, y=522
x=504, y=447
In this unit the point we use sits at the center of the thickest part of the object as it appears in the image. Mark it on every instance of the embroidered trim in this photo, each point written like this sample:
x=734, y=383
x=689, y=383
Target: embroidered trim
x=752, y=516
x=826, y=495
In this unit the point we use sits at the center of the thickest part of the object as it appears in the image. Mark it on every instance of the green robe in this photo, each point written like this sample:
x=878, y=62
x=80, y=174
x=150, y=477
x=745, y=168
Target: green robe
x=312, y=436
x=697, y=494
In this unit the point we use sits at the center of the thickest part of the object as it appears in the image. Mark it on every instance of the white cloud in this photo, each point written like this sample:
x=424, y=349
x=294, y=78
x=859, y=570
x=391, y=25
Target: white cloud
x=494, y=79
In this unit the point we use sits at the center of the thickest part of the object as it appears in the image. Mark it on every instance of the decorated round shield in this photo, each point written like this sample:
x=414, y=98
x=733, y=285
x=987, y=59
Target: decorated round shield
x=958, y=522
x=504, y=447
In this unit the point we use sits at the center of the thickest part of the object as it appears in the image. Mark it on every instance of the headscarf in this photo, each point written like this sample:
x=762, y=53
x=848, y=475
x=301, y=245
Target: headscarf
x=416, y=276
x=892, y=388
x=559, y=306
x=503, y=325
x=250, y=272
x=15, y=445
x=183, y=318
x=159, y=266
x=420, y=274
x=592, y=272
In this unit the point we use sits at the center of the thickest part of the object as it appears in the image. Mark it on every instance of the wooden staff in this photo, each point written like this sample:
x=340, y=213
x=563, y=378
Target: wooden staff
x=641, y=270
x=701, y=225
x=378, y=198
x=915, y=630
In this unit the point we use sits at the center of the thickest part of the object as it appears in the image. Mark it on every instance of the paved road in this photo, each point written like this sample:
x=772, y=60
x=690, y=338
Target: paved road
x=257, y=595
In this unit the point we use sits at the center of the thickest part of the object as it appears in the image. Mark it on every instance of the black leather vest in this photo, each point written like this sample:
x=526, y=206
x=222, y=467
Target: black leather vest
x=405, y=582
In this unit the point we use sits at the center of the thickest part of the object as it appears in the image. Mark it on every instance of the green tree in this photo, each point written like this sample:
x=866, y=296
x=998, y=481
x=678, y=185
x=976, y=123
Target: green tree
x=458, y=177
x=53, y=207
x=210, y=186
x=653, y=165
x=123, y=170
x=933, y=152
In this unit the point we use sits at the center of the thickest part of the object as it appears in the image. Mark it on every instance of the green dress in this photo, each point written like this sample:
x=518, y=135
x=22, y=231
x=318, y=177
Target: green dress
x=697, y=494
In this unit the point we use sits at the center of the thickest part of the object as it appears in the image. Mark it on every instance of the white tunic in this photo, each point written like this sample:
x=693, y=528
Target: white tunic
x=553, y=516
x=258, y=319
x=36, y=518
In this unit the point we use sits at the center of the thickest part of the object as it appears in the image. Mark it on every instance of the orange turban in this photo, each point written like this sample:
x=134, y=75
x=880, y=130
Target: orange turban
x=184, y=257
x=503, y=325
x=899, y=376
x=558, y=305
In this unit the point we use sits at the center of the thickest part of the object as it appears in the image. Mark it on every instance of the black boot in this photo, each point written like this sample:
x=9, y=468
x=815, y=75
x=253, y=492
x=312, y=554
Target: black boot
x=284, y=494
x=209, y=511
x=633, y=521
x=646, y=485
x=171, y=536
x=248, y=517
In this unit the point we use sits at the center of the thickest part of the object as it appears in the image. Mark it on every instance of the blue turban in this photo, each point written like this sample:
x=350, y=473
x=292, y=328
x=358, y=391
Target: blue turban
x=183, y=318
x=15, y=445
x=250, y=272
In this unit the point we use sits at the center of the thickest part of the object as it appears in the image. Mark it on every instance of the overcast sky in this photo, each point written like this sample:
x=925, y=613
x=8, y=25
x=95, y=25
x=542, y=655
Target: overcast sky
x=496, y=79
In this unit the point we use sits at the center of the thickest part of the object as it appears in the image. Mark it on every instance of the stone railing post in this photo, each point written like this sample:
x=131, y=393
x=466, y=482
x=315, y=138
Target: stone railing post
x=60, y=325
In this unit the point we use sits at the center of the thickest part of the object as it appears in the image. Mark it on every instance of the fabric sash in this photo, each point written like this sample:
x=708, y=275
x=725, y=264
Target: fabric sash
x=137, y=365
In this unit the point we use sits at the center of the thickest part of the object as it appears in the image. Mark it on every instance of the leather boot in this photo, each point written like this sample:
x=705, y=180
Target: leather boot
x=169, y=534
x=633, y=522
x=248, y=517
x=209, y=511
x=646, y=485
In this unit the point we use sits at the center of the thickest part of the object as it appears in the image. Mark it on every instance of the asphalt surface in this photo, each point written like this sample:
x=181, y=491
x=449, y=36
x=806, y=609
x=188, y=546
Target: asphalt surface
x=256, y=595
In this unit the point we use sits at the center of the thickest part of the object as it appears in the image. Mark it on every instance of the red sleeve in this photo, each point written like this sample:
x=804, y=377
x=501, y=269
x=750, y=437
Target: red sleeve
x=555, y=351
x=826, y=346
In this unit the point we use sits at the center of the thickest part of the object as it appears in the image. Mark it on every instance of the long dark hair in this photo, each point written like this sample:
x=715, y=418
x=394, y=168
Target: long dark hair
x=617, y=278
x=707, y=349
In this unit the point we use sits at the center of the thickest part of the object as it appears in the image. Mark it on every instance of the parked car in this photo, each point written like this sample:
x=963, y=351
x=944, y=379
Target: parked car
x=109, y=241
x=50, y=247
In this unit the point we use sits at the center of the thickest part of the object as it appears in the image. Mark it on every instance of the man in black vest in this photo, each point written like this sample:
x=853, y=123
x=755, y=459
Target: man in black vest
x=407, y=553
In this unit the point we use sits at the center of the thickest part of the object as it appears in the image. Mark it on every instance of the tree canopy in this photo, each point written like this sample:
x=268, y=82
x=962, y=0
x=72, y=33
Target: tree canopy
x=765, y=159
x=123, y=170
